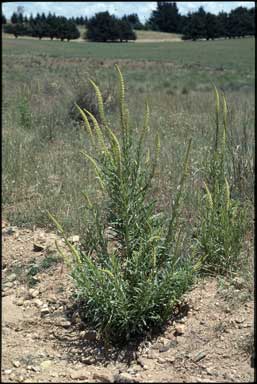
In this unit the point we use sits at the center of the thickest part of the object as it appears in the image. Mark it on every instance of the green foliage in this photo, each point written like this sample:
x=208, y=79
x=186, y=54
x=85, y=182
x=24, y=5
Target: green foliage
x=223, y=220
x=105, y=27
x=165, y=18
x=132, y=268
x=41, y=26
x=24, y=113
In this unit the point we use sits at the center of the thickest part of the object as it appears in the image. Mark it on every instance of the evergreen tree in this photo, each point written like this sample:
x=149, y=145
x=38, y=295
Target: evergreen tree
x=222, y=24
x=4, y=21
x=211, y=26
x=14, y=18
x=166, y=17
x=125, y=30
x=133, y=20
x=20, y=18
x=102, y=27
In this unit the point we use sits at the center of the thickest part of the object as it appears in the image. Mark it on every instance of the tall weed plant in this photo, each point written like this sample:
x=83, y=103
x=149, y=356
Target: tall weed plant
x=222, y=219
x=131, y=270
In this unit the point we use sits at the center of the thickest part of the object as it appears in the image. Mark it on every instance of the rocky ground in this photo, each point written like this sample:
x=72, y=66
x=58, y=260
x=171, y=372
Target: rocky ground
x=43, y=340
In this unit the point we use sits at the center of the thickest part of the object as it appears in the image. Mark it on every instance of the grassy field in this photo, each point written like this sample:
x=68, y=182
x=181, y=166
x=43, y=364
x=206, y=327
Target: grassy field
x=42, y=168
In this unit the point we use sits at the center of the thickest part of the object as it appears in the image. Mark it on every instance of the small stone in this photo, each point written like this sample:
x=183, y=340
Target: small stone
x=90, y=335
x=124, y=378
x=16, y=364
x=8, y=371
x=33, y=293
x=199, y=356
x=161, y=360
x=152, y=355
x=38, y=303
x=44, y=311
x=45, y=364
x=104, y=377
x=157, y=345
x=165, y=347
x=74, y=239
x=88, y=360
x=79, y=375
x=65, y=324
x=12, y=277
x=179, y=329
x=21, y=379
x=12, y=376
x=9, y=284
x=170, y=359
x=20, y=302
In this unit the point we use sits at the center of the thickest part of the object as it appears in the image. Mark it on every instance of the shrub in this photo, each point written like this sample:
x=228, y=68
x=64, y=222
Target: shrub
x=222, y=219
x=132, y=269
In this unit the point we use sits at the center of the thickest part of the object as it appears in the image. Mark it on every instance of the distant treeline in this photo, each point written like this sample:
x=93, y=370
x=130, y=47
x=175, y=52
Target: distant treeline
x=51, y=26
x=239, y=22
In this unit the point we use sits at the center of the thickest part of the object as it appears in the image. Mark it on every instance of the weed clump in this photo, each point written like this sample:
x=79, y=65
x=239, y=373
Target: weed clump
x=132, y=269
x=222, y=219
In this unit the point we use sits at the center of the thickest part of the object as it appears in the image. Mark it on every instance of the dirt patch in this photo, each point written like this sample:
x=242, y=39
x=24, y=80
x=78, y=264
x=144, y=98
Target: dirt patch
x=44, y=341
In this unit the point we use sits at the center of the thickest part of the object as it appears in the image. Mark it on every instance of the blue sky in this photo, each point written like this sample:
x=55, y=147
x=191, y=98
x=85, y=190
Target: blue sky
x=143, y=9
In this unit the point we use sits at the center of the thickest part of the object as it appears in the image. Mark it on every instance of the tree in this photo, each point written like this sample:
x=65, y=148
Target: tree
x=211, y=26
x=72, y=32
x=125, y=30
x=16, y=29
x=165, y=18
x=222, y=24
x=102, y=27
x=133, y=20
x=195, y=27
x=4, y=21
x=14, y=18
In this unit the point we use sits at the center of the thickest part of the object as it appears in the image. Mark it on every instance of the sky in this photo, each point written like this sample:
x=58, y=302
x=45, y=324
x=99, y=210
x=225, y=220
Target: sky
x=88, y=8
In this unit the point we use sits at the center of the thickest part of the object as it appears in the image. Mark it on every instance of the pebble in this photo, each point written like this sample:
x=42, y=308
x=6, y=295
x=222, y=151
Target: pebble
x=20, y=302
x=199, y=356
x=124, y=378
x=38, y=302
x=90, y=335
x=9, y=284
x=45, y=364
x=12, y=377
x=65, y=324
x=152, y=355
x=12, y=277
x=79, y=375
x=179, y=329
x=16, y=364
x=33, y=293
x=103, y=377
x=157, y=345
x=44, y=311
x=88, y=360
x=161, y=360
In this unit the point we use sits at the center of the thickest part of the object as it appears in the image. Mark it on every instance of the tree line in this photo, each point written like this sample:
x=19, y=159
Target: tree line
x=239, y=22
x=51, y=26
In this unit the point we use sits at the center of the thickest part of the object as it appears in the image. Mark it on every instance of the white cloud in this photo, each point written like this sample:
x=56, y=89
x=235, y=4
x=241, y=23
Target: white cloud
x=143, y=9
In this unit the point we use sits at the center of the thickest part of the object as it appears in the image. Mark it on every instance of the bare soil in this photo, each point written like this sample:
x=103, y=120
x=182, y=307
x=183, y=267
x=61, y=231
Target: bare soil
x=44, y=341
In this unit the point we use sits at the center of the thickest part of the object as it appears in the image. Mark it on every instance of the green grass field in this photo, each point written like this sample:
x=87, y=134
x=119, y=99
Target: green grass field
x=234, y=54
